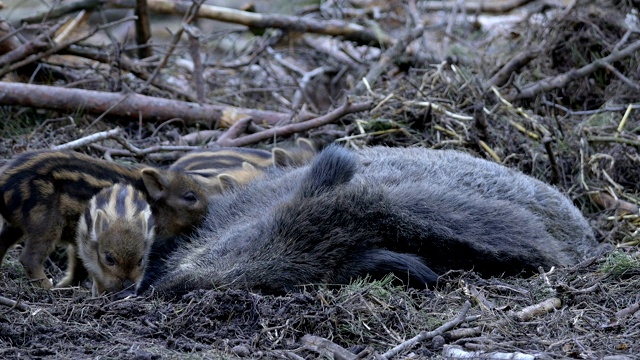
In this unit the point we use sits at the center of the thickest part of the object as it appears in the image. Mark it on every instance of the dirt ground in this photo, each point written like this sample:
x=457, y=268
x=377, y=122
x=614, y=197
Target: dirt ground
x=554, y=117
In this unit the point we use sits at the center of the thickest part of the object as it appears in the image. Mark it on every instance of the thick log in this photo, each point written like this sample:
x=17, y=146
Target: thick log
x=131, y=106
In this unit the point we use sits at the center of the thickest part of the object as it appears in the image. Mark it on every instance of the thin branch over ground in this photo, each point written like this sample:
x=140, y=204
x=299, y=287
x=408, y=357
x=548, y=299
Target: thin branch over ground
x=562, y=80
x=291, y=129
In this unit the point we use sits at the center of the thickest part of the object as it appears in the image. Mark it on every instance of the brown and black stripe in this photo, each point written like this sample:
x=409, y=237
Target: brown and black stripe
x=219, y=169
x=67, y=178
x=211, y=163
x=44, y=193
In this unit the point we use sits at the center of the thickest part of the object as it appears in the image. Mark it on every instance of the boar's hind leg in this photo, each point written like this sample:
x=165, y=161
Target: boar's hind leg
x=9, y=236
x=37, y=247
x=408, y=268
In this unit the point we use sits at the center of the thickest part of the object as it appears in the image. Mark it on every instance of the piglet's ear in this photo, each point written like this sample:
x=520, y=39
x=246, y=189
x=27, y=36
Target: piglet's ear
x=281, y=157
x=100, y=223
x=227, y=181
x=155, y=183
x=306, y=145
x=248, y=167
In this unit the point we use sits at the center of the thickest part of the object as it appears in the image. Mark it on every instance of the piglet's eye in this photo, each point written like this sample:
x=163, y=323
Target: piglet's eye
x=109, y=260
x=189, y=196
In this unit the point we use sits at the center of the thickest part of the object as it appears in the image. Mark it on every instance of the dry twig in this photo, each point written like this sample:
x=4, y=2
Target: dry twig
x=125, y=63
x=14, y=51
x=194, y=48
x=562, y=80
x=89, y=139
x=516, y=63
x=426, y=335
x=388, y=57
x=499, y=6
x=291, y=129
x=190, y=15
x=57, y=47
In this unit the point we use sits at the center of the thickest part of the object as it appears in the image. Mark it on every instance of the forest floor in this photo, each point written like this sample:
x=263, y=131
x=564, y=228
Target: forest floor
x=548, y=87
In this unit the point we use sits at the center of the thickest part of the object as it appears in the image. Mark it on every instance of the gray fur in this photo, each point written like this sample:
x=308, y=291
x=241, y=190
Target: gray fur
x=414, y=212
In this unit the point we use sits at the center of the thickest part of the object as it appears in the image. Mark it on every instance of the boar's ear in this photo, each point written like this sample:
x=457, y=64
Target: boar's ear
x=155, y=183
x=281, y=157
x=227, y=181
x=335, y=165
x=100, y=223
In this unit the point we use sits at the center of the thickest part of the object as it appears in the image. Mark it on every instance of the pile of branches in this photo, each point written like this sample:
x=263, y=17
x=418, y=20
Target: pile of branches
x=280, y=75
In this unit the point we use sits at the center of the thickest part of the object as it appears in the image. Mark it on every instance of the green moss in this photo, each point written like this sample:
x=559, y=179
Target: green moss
x=619, y=263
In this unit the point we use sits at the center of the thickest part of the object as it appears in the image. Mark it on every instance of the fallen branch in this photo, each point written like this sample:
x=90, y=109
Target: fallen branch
x=426, y=335
x=555, y=172
x=516, y=63
x=194, y=49
x=389, y=57
x=562, y=80
x=8, y=39
x=498, y=6
x=235, y=130
x=538, y=309
x=291, y=129
x=14, y=304
x=89, y=139
x=347, y=30
x=35, y=45
x=200, y=137
x=462, y=333
x=129, y=106
x=326, y=348
x=456, y=352
x=628, y=311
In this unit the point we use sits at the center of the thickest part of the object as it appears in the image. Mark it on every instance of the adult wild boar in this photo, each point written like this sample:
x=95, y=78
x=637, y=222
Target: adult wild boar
x=413, y=212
